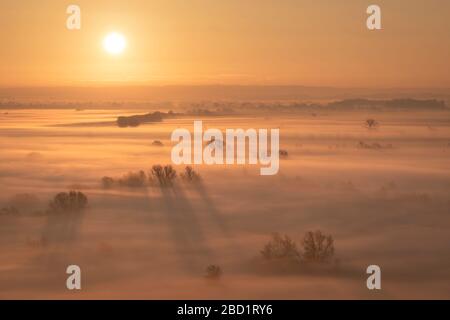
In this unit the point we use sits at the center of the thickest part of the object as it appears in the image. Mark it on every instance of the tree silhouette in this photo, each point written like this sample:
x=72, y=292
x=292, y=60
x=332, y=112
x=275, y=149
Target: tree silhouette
x=73, y=201
x=157, y=143
x=107, y=182
x=190, y=175
x=280, y=247
x=317, y=247
x=371, y=124
x=165, y=176
x=213, y=272
x=134, y=179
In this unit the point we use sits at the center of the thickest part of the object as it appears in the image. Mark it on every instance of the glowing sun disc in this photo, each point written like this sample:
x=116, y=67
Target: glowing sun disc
x=114, y=43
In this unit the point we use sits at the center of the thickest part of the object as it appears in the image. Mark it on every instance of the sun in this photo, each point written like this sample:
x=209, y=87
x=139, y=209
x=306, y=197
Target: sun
x=114, y=43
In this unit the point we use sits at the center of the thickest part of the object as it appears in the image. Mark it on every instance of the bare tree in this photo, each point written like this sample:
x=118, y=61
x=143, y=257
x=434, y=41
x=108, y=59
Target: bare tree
x=73, y=201
x=283, y=153
x=281, y=247
x=134, y=179
x=317, y=247
x=107, y=182
x=165, y=176
x=190, y=175
x=371, y=124
x=213, y=272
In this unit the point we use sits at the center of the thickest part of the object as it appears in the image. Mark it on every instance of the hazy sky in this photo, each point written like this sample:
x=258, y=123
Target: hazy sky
x=318, y=43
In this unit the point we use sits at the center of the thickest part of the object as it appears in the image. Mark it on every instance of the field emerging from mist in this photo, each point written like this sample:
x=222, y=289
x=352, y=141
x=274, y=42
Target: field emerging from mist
x=383, y=194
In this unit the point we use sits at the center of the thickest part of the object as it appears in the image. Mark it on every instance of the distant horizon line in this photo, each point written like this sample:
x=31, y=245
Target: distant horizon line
x=101, y=86
x=214, y=92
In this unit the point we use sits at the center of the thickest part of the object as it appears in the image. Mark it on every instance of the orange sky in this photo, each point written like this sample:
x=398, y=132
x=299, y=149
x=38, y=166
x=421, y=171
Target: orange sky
x=315, y=43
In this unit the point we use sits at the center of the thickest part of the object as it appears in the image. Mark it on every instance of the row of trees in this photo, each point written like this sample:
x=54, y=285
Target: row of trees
x=63, y=202
x=164, y=176
x=316, y=247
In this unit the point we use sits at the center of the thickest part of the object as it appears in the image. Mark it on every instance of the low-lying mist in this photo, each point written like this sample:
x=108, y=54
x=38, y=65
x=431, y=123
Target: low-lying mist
x=108, y=199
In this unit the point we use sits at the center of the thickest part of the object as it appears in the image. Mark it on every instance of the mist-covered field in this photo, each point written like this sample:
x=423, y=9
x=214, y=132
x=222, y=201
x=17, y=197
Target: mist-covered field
x=383, y=194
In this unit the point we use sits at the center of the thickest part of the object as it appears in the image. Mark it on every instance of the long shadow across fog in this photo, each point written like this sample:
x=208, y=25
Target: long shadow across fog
x=211, y=208
x=46, y=269
x=216, y=216
x=63, y=228
x=190, y=243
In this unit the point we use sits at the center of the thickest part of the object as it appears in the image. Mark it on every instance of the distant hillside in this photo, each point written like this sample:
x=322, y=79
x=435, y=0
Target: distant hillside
x=388, y=104
x=120, y=94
